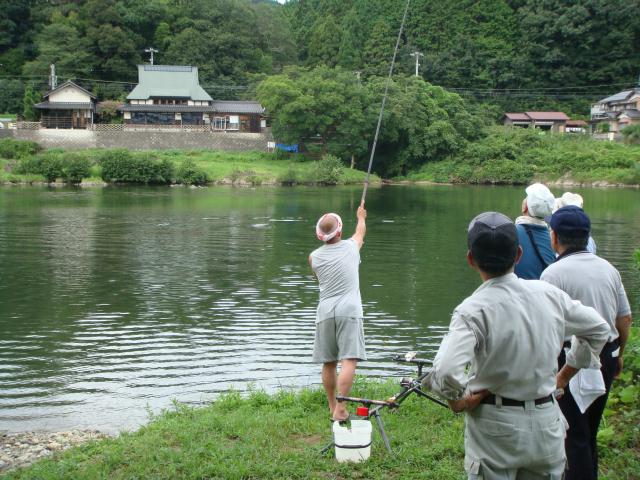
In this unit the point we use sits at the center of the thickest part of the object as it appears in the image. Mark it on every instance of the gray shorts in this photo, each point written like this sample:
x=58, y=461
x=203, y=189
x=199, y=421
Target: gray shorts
x=339, y=338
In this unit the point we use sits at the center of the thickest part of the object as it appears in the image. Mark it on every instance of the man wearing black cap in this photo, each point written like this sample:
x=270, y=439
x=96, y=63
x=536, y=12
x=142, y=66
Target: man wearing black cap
x=498, y=361
x=596, y=283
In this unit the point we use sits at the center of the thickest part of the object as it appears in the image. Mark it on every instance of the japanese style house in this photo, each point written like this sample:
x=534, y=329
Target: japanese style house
x=67, y=106
x=553, y=121
x=172, y=95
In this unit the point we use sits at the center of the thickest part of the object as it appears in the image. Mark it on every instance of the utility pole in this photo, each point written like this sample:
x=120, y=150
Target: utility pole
x=417, y=54
x=151, y=50
x=53, y=79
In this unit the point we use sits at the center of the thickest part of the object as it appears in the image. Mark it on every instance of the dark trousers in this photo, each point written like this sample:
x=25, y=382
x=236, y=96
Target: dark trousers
x=581, y=444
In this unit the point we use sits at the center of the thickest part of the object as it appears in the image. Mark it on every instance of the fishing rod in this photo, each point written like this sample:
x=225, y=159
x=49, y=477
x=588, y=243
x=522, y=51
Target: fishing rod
x=384, y=101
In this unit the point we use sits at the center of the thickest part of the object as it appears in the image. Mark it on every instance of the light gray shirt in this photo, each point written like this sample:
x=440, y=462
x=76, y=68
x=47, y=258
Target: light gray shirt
x=336, y=267
x=509, y=333
x=593, y=281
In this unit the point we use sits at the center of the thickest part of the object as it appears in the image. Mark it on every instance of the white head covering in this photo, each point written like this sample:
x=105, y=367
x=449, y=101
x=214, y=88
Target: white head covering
x=568, y=198
x=540, y=200
x=325, y=237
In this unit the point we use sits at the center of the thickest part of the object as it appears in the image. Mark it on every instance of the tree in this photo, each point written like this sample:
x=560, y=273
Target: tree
x=322, y=106
x=30, y=98
x=11, y=94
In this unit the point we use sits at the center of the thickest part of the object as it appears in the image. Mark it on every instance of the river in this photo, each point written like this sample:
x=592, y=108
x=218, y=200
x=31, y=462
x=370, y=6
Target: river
x=115, y=301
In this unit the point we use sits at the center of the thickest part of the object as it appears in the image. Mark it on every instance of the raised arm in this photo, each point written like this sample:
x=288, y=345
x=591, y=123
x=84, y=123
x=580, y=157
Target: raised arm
x=361, y=227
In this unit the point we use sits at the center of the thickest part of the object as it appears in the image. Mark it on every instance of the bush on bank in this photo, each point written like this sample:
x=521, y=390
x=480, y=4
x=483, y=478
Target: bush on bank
x=123, y=166
x=519, y=156
x=16, y=149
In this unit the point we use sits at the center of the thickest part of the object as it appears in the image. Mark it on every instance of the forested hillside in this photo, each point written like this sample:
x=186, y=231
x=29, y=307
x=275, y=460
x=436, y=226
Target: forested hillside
x=319, y=65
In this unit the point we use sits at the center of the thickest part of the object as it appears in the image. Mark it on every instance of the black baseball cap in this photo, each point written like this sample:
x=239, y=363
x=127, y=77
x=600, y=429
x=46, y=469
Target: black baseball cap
x=571, y=221
x=493, y=241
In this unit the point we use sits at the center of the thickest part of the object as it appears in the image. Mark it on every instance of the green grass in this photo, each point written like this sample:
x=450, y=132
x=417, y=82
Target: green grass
x=520, y=156
x=277, y=436
x=240, y=168
x=265, y=436
x=11, y=116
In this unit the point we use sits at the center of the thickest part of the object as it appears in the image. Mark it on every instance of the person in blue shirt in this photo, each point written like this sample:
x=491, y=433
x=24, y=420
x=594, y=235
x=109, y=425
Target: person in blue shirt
x=533, y=232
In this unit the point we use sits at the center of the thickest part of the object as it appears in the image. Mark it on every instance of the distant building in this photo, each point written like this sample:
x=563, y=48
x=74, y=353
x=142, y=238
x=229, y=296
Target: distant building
x=576, y=126
x=172, y=95
x=553, y=121
x=619, y=110
x=67, y=106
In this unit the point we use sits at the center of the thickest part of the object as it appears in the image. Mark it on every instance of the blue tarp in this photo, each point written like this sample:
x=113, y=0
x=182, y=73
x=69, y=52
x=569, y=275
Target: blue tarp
x=287, y=148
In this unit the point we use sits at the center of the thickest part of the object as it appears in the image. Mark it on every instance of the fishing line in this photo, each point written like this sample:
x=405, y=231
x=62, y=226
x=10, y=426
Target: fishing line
x=384, y=100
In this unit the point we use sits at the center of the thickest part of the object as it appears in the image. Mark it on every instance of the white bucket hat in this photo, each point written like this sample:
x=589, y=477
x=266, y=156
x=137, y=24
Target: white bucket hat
x=540, y=200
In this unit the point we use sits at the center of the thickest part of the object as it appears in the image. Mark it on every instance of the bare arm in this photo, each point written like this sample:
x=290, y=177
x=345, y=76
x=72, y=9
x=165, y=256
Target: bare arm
x=312, y=270
x=361, y=227
x=623, y=325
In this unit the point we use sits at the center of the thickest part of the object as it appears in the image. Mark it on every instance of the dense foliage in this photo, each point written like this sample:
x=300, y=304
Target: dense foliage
x=515, y=155
x=539, y=55
x=123, y=166
x=329, y=110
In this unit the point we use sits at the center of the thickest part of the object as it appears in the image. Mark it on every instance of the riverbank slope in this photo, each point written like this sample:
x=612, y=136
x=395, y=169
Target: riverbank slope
x=520, y=156
x=280, y=436
x=23, y=162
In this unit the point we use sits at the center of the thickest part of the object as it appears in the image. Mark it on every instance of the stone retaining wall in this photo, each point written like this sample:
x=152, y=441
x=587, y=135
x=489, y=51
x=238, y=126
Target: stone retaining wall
x=146, y=140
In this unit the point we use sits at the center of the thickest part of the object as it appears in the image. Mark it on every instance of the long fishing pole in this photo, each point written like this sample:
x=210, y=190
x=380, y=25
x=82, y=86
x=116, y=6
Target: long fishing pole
x=384, y=100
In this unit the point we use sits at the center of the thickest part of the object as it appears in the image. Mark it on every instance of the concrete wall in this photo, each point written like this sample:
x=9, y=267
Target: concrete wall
x=149, y=140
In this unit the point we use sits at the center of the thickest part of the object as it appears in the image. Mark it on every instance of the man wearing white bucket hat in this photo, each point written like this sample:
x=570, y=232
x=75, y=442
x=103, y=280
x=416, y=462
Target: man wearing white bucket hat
x=533, y=233
x=339, y=333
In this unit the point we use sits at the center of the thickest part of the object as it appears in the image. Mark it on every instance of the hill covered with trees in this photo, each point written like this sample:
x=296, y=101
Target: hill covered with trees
x=319, y=65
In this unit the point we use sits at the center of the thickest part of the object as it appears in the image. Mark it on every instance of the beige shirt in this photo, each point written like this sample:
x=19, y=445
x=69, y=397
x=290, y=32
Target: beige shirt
x=509, y=333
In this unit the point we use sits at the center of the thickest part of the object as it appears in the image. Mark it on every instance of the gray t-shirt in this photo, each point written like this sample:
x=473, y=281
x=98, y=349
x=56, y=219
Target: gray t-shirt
x=593, y=281
x=336, y=266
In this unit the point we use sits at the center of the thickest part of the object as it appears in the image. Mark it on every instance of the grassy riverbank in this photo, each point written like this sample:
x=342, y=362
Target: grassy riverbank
x=280, y=436
x=520, y=156
x=24, y=162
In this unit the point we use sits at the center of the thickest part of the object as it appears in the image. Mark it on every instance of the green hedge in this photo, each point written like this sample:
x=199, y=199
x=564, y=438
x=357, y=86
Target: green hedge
x=17, y=149
x=123, y=166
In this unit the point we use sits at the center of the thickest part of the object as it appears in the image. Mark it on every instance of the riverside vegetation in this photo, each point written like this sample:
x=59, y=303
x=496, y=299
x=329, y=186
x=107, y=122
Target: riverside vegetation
x=25, y=162
x=280, y=436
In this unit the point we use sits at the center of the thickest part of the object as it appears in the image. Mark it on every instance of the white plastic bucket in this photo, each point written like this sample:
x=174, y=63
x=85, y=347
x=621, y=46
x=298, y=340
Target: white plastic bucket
x=352, y=444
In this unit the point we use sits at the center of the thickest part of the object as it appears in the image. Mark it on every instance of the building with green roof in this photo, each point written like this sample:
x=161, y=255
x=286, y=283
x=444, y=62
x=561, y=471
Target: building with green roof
x=172, y=95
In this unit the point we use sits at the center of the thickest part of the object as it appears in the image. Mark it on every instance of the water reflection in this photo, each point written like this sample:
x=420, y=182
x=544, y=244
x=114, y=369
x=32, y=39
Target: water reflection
x=113, y=300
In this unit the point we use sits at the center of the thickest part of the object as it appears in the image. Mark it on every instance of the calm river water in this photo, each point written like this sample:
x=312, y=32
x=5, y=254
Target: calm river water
x=114, y=301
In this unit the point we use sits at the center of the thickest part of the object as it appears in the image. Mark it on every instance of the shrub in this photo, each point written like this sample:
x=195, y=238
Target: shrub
x=48, y=164
x=121, y=166
x=10, y=148
x=290, y=177
x=329, y=170
x=75, y=167
x=631, y=134
x=189, y=173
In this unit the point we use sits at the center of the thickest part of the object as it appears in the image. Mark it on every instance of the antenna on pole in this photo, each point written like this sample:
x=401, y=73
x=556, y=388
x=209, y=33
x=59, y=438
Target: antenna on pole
x=151, y=50
x=417, y=54
x=53, y=79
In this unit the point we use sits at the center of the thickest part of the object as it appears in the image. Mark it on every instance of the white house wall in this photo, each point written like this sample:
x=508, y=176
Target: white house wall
x=69, y=94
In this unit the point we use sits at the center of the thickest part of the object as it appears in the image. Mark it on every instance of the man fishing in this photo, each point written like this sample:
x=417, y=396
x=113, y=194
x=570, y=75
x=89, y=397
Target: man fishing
x=509, y=333
x=339, y=318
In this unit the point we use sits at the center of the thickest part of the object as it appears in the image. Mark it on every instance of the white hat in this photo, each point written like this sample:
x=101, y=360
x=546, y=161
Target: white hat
x=569, y=198
x=540, y=200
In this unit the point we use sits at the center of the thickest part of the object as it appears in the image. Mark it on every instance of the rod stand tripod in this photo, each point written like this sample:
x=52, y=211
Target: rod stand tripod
x=408, y=386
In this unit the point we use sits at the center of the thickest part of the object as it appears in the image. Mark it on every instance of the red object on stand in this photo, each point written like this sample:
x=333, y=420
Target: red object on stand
x=362, y=411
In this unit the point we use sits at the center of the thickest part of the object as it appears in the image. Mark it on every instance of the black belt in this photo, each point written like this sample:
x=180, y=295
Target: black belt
x=509, y=402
